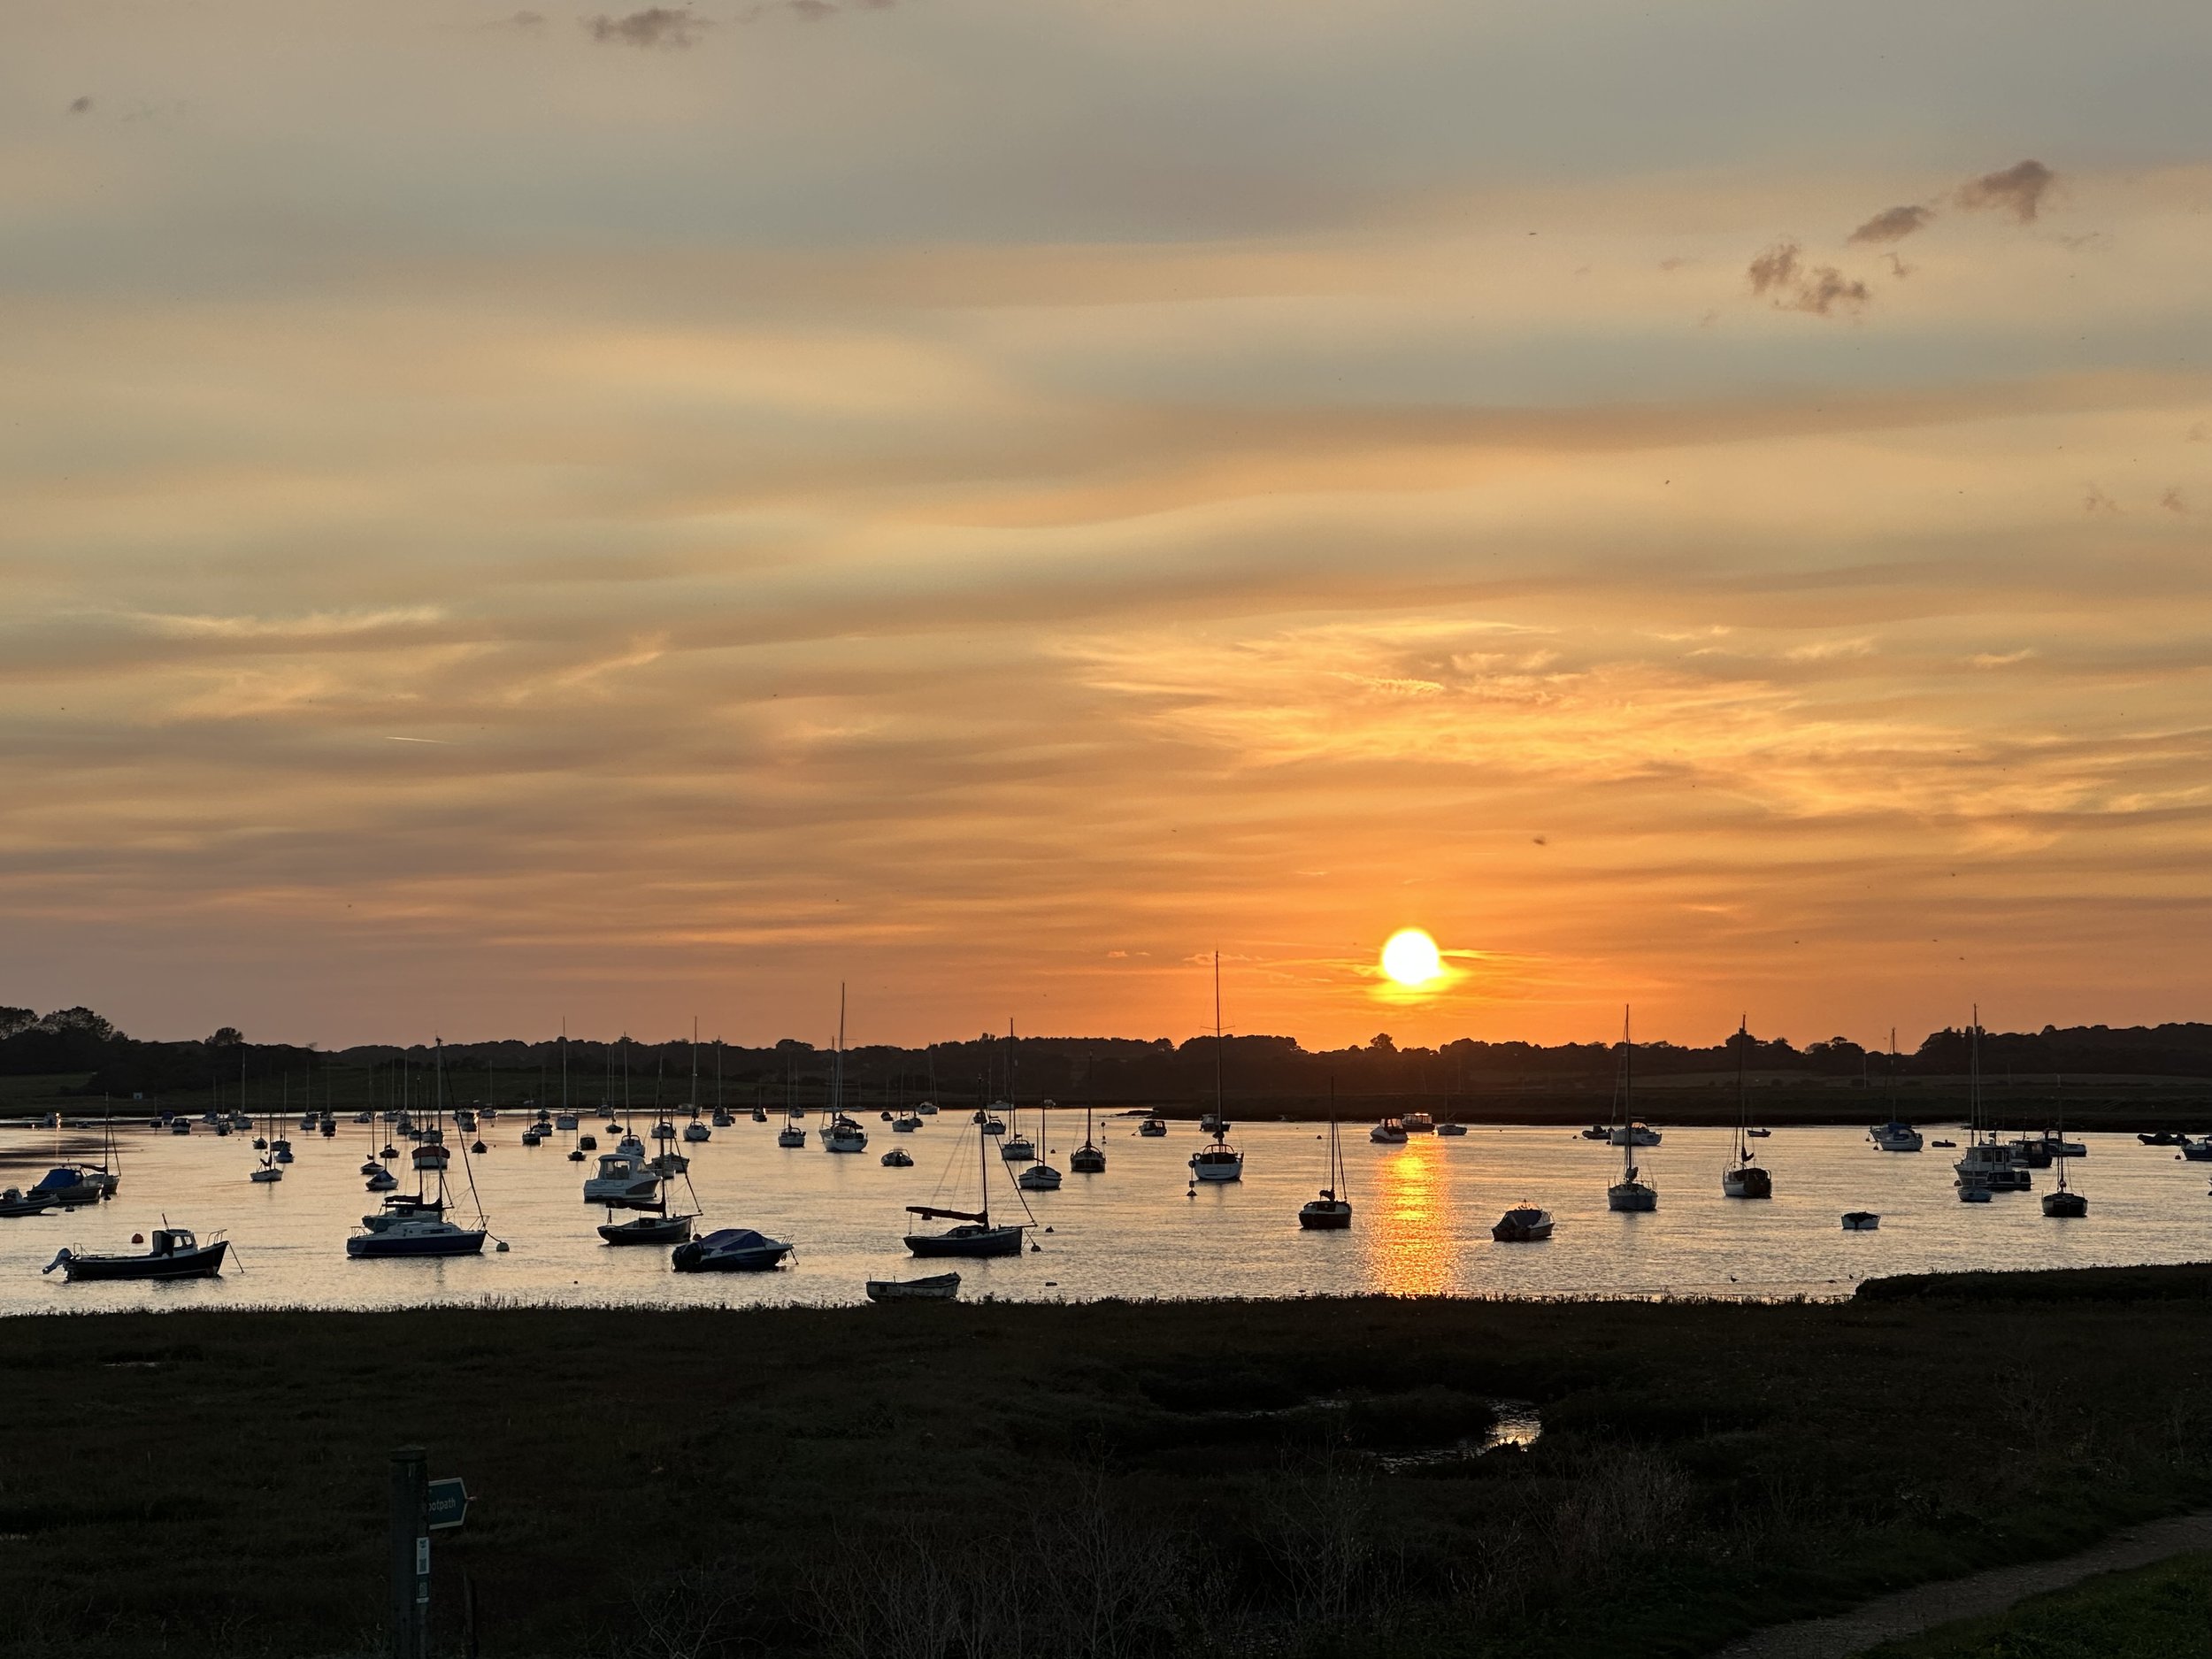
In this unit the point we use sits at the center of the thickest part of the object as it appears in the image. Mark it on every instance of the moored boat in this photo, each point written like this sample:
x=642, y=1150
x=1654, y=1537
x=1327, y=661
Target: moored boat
x=935, y=1287
x=1861, y=1221
x=176, y=1253
x=1524, y=1223
x=648, y=1230
x=1329, y=1211
x=729, y=1250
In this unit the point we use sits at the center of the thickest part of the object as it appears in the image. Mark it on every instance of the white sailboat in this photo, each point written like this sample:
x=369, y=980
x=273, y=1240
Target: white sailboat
x=1630, y=1194
x=840, y=1133
x=1219, y=1162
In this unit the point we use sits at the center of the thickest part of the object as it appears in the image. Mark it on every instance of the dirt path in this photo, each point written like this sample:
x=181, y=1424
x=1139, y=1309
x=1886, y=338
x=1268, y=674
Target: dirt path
x=1909, y=1612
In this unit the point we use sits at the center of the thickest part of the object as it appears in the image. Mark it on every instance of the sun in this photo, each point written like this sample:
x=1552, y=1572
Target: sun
x=1411, y=957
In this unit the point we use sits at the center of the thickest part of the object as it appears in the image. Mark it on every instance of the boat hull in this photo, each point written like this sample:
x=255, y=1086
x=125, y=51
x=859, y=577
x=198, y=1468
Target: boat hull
x=1632, y=1198
x=938, y=1287
x=380, y=1245
x=204, y=1263
x=1748, y=1182
x=691, y=1258
x=966, y=1241
x=2065, y=1206
x=674, y=1230
x=1320, y=1217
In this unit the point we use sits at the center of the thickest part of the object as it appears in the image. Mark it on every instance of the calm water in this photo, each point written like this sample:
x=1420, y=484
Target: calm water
x=1421, y=1222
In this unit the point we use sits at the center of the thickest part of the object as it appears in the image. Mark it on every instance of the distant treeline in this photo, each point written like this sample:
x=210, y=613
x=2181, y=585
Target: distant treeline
x=1070, y=1069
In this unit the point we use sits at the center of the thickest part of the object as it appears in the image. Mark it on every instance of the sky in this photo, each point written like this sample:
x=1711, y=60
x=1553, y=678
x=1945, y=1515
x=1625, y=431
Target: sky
x=516, y=516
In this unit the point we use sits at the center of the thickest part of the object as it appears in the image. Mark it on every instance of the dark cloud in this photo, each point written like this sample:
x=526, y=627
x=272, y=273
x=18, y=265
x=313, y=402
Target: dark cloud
x=1893, y=224
x=1897, y=267
x=2173, y=501
x=1820, y=289
x=79, y=106
x=1775, y=268
x=2095, y=501
x=656, y=26
x=2018, y=189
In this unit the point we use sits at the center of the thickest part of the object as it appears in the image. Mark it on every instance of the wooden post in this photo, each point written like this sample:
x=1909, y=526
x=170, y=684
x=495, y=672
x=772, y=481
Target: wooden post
x=411, y=1555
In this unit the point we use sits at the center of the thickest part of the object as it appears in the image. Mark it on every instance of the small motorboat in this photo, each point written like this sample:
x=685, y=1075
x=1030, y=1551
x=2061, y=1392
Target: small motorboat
x=695, y=1131
x=1940, y=1145
x=622, y=1181
x=416, y=1235
x=1524, y=1223
x=575, y=1155
x=1758, y=1134
x=586, y=1143
x=1451, y=1129
x=1972, y=1194
x=649, y=1230
x=928, y=1108
x=1861, y=1221
x=898, y=1158
x=16, y=1202
x=1597, y=1131
x=729, y=1250
x=1388, y=1132
x=2160, y=1138
x=760, y=1114
x=1635, y=1134
x=176, y=1254
x=2197, y=1151
x=1153, y=1127
x=905, y=1124
x=936, y=1287
x=530, y=1137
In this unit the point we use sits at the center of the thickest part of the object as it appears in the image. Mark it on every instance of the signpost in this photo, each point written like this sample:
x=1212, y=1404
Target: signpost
x=447, y=1503
x=419, y=1505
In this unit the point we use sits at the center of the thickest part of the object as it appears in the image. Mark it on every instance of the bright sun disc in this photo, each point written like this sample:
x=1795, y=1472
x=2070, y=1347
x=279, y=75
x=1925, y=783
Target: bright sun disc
x=1411, y=957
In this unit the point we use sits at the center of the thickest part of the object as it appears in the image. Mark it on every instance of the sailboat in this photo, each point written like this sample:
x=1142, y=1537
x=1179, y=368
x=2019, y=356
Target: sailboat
x=975, y=1236
x=842, y=1132
x=1743, y=1178
x=1331, y=1211
x=1040, y=1177
x=1630, y=1193
x=2065, y=1204
x=267, y=1172
x=1219, y=1162
x=1090, y=1157
x=791, y=1134
x=417, y=1226
x=1896, y=1135
x=1988, y=1165
x=658, y=1227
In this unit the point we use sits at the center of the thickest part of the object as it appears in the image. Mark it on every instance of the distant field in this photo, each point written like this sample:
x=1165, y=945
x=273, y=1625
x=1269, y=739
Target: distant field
x=1301, y=1479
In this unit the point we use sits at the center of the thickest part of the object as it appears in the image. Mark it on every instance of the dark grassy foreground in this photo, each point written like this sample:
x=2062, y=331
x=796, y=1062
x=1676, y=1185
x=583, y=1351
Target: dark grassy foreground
x=2162, y=1611
x=1002, y=1480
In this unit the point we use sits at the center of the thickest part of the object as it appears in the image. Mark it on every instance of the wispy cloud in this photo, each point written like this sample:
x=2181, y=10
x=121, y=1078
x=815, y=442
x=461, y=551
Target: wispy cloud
x=1796, y=287
x=667, y=27
x=1893, y=224
x=2018, y=191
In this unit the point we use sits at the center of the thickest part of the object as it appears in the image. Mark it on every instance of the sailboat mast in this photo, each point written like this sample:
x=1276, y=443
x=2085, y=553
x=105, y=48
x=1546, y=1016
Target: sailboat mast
x=1743, y=1109
x=1218, y=1100
x=1628, y=1100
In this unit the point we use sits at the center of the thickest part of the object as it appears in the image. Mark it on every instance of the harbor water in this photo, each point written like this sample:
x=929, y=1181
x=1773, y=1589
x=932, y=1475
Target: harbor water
x=1422, y=1218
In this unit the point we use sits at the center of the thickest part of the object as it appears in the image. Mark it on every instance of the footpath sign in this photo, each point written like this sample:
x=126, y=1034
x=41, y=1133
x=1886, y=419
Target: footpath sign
x=446, y=1503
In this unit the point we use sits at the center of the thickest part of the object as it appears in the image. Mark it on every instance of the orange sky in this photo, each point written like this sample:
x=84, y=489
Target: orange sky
x=517, y=519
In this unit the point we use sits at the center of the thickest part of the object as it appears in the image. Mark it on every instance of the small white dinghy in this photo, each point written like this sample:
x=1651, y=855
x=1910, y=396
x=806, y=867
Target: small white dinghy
x=936, y=1287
